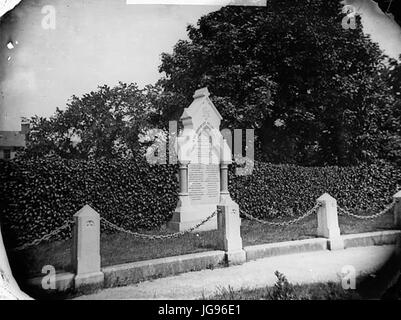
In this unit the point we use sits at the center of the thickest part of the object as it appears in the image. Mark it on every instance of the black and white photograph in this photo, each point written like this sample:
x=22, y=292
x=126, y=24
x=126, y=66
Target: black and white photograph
x=200, y=153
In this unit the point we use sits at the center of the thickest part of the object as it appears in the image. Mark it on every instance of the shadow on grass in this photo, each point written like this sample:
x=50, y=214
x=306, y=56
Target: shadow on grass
x=386, y=282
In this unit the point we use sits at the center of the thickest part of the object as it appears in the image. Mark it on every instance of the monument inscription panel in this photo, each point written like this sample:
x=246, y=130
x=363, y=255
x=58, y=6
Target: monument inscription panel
x=204, y=183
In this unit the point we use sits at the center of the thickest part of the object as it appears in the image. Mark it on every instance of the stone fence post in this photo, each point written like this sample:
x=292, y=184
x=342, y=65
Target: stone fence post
x=228, y=224
x=397, y=209
x=86, y=248
x=327, y=222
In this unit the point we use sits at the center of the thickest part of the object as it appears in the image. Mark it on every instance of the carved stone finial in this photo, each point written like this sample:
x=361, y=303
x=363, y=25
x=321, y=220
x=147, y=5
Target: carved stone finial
x=204, y=92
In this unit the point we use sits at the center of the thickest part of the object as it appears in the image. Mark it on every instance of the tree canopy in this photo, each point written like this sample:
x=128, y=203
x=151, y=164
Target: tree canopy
x=314, y=92
x=101, y=124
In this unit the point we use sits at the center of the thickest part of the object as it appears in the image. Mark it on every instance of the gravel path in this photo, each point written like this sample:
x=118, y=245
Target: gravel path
x=320, y=266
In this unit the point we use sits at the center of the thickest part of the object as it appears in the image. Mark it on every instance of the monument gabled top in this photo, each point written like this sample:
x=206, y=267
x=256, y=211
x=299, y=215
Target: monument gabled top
x=201, y=131
x=202, y=108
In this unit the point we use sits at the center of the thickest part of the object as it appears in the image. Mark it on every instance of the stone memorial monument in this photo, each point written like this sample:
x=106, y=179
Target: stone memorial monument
x=203, y=157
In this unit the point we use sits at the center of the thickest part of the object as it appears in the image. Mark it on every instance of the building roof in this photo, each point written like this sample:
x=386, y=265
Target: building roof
x=12, y=139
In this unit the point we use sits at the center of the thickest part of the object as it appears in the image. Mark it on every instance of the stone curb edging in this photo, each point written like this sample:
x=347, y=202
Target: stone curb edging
x=135, y=272
x=377, y=238
x=281, y=248
x=131, y=273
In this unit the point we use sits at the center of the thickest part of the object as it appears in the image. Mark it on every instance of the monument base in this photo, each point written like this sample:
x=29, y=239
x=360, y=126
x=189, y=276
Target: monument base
x=185, y=218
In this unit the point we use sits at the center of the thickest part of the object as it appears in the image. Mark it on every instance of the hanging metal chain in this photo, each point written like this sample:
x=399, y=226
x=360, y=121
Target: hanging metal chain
x=158, y=237
x=384, y=211
x=114, y=226
x=44, y=238
x=284, y=223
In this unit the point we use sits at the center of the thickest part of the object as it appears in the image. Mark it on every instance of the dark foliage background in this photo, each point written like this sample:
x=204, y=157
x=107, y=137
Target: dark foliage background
x=290, y=190
x=40, y=195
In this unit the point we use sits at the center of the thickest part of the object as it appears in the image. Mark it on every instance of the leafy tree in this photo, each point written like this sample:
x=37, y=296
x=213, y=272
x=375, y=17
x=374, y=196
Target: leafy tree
x=41, y=139
x=101, y=124
x=314, y=92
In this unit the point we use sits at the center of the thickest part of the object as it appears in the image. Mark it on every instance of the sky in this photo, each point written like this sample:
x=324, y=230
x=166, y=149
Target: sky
x=97, y=42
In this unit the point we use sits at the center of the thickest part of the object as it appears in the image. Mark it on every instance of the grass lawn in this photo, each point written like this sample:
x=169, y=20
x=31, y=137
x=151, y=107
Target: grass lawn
x=367, y=287
x=315, y=291
x=122, y=248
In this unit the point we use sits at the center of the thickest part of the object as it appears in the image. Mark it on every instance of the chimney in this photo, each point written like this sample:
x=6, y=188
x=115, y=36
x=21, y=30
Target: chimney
x=25, y=125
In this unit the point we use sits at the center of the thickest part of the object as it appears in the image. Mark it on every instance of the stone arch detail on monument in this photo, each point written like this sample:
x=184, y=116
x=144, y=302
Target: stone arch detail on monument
x=206, y=145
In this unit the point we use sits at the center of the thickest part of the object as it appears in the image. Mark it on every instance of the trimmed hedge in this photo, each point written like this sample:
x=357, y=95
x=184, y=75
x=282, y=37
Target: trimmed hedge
x=40, y=195
x=290, y=190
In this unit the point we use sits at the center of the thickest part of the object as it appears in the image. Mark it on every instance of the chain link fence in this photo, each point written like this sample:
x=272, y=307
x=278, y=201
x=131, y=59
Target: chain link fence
x=158, y=237
x=111, y=225
x=284, y=223
x=44, y=238
x=387, y=209
x=244, y=214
